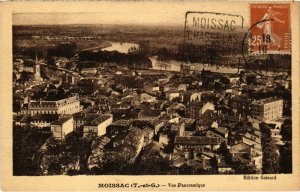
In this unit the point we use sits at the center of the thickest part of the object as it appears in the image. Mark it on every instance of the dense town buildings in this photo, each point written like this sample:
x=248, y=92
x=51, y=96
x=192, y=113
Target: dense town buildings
x=106, y=115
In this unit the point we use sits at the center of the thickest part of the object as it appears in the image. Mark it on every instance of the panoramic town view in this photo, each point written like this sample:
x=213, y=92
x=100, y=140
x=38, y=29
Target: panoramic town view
x=117, y=99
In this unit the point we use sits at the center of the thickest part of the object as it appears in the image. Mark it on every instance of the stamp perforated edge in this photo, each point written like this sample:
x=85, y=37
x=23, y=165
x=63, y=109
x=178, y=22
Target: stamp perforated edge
x=290, y=30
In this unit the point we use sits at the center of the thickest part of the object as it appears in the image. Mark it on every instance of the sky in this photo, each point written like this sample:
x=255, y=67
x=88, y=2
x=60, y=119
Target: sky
x=95, y=18
x=146, y=13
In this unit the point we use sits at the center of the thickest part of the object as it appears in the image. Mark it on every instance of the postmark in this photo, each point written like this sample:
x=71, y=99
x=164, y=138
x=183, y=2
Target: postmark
x=213, y=39
x=271, y=34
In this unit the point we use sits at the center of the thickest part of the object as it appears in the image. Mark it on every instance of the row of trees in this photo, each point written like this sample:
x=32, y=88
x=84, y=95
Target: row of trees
x=131, y=59
x=270, y=156
x=286, y=149
x=62, y=50
x=67, y=50
x=272, y=162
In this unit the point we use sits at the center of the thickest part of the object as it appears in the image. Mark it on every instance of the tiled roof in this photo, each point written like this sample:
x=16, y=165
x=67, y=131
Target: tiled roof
x=44, y=117
x=197, y=140
x=220, y=130
x=150, y=113
x=240, y=147
x=85, y=116
x=188, y=121
x=62, y=120
x=99, y=120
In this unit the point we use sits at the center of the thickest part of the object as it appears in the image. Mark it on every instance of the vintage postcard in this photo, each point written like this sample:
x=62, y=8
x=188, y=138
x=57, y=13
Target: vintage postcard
x=149, y=95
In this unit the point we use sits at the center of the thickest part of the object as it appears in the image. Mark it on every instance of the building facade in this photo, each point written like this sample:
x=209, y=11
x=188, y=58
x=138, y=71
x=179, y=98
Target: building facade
x=69, y=105
x=98, y=126
x=267, y=109
x=62, y=127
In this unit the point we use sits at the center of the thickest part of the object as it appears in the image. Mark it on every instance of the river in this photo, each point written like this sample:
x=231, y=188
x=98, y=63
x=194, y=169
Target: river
x=120, y=47
x=170, y=65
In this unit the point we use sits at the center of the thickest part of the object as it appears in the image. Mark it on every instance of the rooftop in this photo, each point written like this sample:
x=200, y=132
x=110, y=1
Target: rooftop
x=197, y=140
x=99, y=120
x=62, y=120
x=150, y=113
x=44, y=117
x=265, y=101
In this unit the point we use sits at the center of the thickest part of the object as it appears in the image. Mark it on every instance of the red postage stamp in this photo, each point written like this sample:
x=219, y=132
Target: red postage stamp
x=270, y=29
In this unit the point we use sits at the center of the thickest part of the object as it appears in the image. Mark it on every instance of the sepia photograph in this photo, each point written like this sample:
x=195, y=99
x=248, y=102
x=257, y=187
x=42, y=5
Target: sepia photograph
x=194, y=92
x=137, y=99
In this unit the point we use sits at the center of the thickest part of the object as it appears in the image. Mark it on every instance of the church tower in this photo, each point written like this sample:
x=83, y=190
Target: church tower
x=37, y=74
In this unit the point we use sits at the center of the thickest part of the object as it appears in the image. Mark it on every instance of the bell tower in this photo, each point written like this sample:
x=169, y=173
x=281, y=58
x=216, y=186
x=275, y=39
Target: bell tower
x=37, y=74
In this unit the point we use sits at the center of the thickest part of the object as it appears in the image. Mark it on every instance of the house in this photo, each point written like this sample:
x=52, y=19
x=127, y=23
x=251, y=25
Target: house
x=98, y=149
x=190, y=124
x=234, y=90
x=245, y=153
x=175, y=108
x=152, y=150
x=120, y=126
x=61, y=61
x=157, y=125
x=62, y=127
x=149, y=114
x=220, y=132
x=177, y=126
x=209, y=119
x=170, y=95
x=197, y=142
x=197, y=109
x=182, y=87
x=195, y=97
x=129, y=146
x=68, y=79
x=125, y=113
x=97, y=126
x=147, y=98
x=119, y=73
x=21, y=120
x=151, y=88
x=240, y=106
x=164, y=139
x=148, y=135
x=88, y=71
x=164, y=88
x=233, y=78
x=42, y=120
x=81, y=118
x=222, y=166
x=267, y=109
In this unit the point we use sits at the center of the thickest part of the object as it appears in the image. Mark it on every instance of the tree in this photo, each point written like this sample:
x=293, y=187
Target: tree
x=154, y=165
x=185, y=170
x=286, y=130
x=251, y=79
x=286, y=158
x=51, y=61
x=240, y=168
x=270, y=157
x=225, y=80
x=62, y=50
x=224, y=151
x=54, y=169
x=26, y=144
